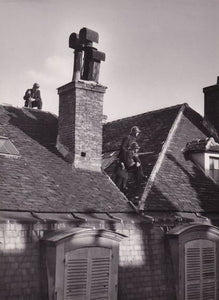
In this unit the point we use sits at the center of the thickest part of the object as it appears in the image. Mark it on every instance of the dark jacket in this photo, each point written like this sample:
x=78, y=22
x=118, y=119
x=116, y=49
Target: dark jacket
x=124, y=152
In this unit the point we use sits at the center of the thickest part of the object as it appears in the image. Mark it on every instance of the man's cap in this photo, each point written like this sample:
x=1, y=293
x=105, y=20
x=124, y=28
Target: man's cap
x=135, y=129
x=36, y=85
x=134, y=146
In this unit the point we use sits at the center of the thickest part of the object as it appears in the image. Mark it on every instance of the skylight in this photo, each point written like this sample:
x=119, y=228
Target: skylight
x=7, y=148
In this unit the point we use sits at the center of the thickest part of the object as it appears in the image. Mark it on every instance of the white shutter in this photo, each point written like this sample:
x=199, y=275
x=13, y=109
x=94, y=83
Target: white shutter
x=200, y=270
x=87, y=274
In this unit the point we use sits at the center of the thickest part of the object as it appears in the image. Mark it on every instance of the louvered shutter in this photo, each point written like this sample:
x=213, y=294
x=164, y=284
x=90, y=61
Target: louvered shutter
x=200, y=270
x=100, y=275
x=209, y=272
x=87, y=274
x=76, y=275
x=193, y=273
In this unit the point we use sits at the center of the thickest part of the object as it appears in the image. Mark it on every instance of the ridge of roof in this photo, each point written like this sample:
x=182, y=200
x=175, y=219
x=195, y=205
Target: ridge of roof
x=39, y=111
x=161, y=156
x=147, y=113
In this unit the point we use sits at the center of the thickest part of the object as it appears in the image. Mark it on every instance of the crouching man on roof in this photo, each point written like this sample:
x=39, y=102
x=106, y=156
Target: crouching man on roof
x=32, y=97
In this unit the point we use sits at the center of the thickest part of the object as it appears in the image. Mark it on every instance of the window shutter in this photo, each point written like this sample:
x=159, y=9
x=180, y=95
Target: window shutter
x=76, y=272
x=209, y=273
x=87, y=274
x=192, y=272
x=200, y=272
x=100, y=270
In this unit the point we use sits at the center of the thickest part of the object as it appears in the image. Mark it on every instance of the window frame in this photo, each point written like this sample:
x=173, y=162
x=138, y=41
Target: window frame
x=93, y=266
x=9, y=149
x=178, y=237
x=214, y=172
x=53, y=257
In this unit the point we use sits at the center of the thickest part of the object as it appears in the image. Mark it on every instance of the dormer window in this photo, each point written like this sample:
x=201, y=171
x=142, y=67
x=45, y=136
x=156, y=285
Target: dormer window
x=205, y=154
x=214, y=168
x=7, y=148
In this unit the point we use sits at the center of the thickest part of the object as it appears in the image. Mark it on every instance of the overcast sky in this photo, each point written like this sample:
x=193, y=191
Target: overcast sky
x=158, y=52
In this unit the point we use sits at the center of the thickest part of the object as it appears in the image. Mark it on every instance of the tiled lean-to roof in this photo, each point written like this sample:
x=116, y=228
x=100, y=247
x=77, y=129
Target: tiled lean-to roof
x=40, y=180
x=174, y=183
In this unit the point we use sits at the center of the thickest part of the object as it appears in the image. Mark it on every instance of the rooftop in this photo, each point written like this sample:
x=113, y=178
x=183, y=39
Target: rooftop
x=174, y=183
x=40, y=180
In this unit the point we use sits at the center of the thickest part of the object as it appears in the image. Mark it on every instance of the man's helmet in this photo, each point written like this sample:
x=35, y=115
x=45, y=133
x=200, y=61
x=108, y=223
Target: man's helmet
x=135, y=129
x=36, y=85
x=134, y=146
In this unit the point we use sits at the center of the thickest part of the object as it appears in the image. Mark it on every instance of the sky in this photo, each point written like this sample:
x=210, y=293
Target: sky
x=159, y=53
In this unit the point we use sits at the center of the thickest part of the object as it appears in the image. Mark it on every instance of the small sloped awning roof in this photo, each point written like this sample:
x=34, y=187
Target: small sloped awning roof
x=82, y=232
x=178, y=230
x=202, y=145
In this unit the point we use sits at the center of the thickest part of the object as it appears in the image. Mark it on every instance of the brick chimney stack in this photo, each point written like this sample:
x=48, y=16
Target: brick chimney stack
x=81, y=105
x=211, y=104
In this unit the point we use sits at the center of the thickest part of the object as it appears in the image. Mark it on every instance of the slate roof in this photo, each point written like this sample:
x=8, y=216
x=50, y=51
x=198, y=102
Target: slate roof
x=40, y=180
x=174, y=183
x=154, y=125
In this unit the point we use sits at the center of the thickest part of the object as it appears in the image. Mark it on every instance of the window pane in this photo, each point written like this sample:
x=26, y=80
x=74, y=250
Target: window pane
x=211, y=162
x=214, y=163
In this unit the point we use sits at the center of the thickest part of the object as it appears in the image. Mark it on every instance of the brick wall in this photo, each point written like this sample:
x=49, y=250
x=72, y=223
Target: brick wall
x=80, y=123
x=144, y=269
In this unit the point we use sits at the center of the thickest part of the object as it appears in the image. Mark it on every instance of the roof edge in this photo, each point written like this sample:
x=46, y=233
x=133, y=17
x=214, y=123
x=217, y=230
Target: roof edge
x=161, y=156
x=145, y=113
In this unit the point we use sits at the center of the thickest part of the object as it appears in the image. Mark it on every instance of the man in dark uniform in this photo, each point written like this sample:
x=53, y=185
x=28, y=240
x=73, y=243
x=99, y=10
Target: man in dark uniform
x=126, y=143
x=134, y=163
x=121, y=176
x=32, y=97
x=128, y=160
